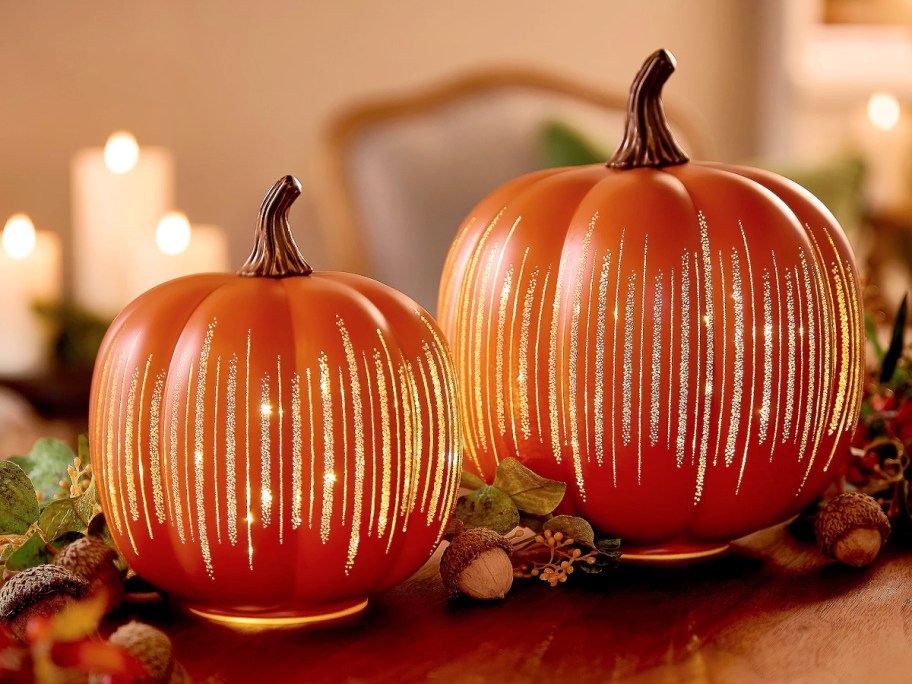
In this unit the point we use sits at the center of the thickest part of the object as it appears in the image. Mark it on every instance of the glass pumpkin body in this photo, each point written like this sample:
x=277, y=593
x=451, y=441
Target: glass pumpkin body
x=275, y=447
x=681, y=342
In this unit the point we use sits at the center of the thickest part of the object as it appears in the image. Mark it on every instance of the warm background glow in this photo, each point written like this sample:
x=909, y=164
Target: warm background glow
x=884, y=111
x=18, y=236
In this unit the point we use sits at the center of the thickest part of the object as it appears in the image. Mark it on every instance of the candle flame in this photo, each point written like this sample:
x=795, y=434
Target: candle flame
x=173, y=233
x=884, y=111
x=121, y=152
x=19, y=236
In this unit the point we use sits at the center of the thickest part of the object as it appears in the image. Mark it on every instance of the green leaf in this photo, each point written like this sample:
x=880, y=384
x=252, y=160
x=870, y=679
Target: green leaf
x=531, y=492
x=29, y=554
x=46, y=465
x=573, y=527
x=18, y=503
x=72, y=514
x=471, y=481
x=606, y=558
x=894, y=351
x=488, y=507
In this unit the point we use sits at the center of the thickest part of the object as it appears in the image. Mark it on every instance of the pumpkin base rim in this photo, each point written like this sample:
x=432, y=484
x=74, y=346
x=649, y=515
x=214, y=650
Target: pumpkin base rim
x=246, y=619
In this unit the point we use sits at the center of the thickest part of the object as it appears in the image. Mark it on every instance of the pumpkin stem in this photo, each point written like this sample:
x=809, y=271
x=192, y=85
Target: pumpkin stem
x=275, y=254
x=648, y=141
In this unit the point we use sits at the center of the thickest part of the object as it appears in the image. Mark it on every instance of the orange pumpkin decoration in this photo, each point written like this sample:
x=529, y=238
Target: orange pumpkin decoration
x=680, y=341
x=278, y=444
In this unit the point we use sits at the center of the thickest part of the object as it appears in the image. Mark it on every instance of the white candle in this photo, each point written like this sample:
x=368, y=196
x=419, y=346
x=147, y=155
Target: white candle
x=29, y=273
x=117, y=201
x=206, y=252
x=885, y=136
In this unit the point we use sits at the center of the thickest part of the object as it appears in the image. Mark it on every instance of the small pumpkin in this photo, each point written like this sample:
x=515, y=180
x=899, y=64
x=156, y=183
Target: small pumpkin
x=680, y=341
x=279, y=443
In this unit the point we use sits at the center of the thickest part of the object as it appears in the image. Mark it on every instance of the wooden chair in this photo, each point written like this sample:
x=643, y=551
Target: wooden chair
x=401, y=174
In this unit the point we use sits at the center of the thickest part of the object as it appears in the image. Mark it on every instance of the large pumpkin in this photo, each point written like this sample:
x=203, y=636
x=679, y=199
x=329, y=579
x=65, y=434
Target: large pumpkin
x=680, y=341
x=277, y=444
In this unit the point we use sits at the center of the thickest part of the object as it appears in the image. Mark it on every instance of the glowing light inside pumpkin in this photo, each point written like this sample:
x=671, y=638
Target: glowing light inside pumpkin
x=19, y=236
x=121, y=152
x=173, y=233
x=884, y=111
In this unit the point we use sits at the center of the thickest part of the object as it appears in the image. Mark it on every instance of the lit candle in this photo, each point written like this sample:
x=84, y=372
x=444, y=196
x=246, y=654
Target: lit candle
x=29, y=273
x=176, y=250
x=885, y=136
x=119, y=193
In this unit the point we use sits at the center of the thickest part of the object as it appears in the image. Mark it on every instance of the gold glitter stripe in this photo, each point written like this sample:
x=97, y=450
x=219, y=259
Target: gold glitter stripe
x=124, y=442
x=722, y=403
x=297, y=450
x=187, y=458
x=699, y=359
x=418, y=407
x=537, y=393
x=750, y=414
x=478, y=379
x=155, y=454
x=845, y=335
x=249, y=516
x=465, y=350
x=822, y=402
x=408, y=423
x=313, y=449
x=655, y=379
x=790, y=358
x=522, y=378
x=574, y=432
x=709, y=322
x=734, y=422
x=177, y=515
x=671, y=329
x=281, y=415
x=329, y=476
x=215, y=449
x=437, y=504
x=801, y=347
x=129, y=460
x=265, y=453
x=141, y=460
x=198, y=472
x=684, y=369
x=599, y=398
x=230, y=449
x=510, y=365
x=640, y=384
x=500, y=395
x=627, y=382
x=553, y=414
x=397, y=490
x=779, y=357
x=372, y=448
x=345, y=468
x=617, y=294
x=360, y=460
x=812, y=354
x=386, y=450
x=112, y=396
x=766, y=398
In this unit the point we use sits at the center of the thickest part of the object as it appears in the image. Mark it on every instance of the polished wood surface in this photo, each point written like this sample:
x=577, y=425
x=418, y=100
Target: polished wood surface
x=771, y=610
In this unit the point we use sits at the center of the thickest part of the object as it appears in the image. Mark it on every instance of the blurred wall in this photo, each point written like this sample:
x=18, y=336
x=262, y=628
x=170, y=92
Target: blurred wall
x=240, y=90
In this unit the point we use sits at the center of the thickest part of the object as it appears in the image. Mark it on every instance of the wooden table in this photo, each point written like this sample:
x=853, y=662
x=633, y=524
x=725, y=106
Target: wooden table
x=771, y=610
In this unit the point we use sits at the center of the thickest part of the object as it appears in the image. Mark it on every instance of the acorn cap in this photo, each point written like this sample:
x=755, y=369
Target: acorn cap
x=26, y=588
x=86, y=556
x=467, y=546
x=847, y=512
x=152, y=648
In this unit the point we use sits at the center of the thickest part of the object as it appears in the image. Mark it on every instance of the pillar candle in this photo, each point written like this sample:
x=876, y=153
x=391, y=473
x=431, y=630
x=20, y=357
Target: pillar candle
x=24, y=342
x=112, y=213
x=206, y=253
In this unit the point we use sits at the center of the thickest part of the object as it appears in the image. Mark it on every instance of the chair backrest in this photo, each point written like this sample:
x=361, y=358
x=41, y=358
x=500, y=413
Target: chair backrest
x=402, y=174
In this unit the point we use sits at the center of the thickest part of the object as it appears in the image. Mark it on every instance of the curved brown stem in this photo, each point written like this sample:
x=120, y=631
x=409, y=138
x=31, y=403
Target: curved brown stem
x=275, y=254
x=648, y=141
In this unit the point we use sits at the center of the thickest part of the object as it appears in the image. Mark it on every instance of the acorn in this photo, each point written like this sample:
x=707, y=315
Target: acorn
x=93, y=560
x=152, y=648
x=852, y=529
x=38, y=592
x=477, y=564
